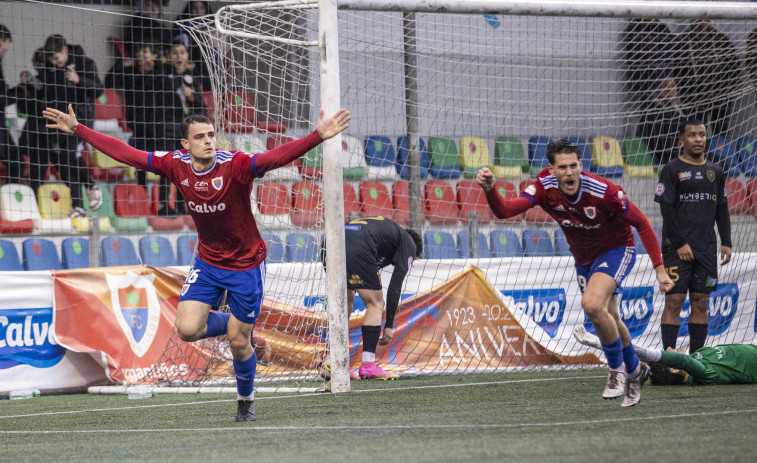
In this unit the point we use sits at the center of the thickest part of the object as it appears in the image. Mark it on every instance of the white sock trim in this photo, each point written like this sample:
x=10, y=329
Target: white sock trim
x=369, y=356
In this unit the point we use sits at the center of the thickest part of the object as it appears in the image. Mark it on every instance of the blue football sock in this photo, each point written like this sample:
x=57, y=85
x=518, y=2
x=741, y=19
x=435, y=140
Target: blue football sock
x=245, y=373
x=630, y=359
x=218, y=324
x=614, y=354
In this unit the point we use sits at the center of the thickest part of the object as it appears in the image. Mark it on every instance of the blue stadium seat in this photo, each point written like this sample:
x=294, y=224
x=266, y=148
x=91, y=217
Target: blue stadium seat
x=721, y=148
x=75, y=253
x=505, y=243
x=40, y=254
x=537, y=243
x=639, y=245
x=537, y=153
x=463, y=245
x=117, y=250
x=156, y=251
x=658, y=232
x=438, y=245
x=562, y=248
x=379, y=151
x=586, y=164
x=401, y=164
x=185, y=249
x=9, y=260
x=747, y=147
x=301, y=247
x=275, y=248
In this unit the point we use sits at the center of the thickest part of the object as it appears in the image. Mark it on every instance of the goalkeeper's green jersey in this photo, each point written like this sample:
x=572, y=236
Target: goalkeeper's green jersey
x=726, y=364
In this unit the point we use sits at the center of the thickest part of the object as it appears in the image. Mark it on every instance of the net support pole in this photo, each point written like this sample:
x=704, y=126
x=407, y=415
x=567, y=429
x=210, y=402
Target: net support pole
x=333, y=201
x=94, y=241
x=412, y=121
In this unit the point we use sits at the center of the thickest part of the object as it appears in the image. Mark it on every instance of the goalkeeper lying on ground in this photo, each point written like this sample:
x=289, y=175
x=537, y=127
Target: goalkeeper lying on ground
x=723, y=364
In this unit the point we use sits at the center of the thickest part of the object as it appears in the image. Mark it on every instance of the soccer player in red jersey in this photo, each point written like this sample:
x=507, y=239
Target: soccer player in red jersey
x=596, y=217
x=216, y=186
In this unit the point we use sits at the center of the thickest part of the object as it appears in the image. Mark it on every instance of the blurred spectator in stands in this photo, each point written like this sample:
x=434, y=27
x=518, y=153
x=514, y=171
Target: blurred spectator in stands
x=660, y=124
x=191, y=18
x=650, y=53
x=9, y=154
x=147, y=26
x=70, y=77
x=712, y=77
x=33, y=140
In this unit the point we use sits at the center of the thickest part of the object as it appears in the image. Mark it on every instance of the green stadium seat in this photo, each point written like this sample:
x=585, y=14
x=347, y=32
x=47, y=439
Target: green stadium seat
x=445, y=161
x=638, y=161
x=509, y=158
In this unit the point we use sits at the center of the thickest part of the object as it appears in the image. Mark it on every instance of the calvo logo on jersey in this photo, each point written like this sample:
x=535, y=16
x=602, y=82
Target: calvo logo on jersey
x=217, y=183
x=636, y=308
x=545, y=307
x=721, y=308
x=27, y=337
x=136, y=308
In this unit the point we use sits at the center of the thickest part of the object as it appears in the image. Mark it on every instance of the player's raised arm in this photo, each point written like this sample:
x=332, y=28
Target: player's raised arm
x=502, y=208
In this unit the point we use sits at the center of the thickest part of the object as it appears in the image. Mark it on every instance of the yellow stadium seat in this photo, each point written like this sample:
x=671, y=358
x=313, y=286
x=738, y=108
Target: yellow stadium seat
x=474, y=154
x=506, y=171
x=81, y=224
x=104, y=161
x=54, y=200
x=606, y=156
x=131, y=173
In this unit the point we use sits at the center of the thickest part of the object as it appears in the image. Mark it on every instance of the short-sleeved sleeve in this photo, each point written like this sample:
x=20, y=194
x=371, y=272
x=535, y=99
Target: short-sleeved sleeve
x=161, y=163
x=616, y=200
x=243, y=167
x=666, y=187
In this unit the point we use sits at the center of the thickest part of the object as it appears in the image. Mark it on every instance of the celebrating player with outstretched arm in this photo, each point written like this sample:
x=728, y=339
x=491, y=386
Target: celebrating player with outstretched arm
x=216, y=185
x=596, y=216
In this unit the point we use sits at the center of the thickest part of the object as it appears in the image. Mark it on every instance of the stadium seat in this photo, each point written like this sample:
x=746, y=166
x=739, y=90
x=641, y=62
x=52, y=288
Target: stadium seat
x=537, y=154
x=445, y=162
x=9, y=260
x=40, y=254
x=505, y=243
x=275, y=248
x=110, y=115
x=722, y=150
x=509, y=158
x=637, y=158
x=562, y=248
x=307, y=210
x=440, y=207
x=240, y=112
x=506, y=190
x=117, y=250
x=156, y=251
x=19, y=211
x=351, y=203
x=583, y=146
x=379, y=157
x=401, y=202
x=470, y=197
x=738, y=203
x=54, y=201
x=352, y=158
x=112, y=174
x=301, y=247
x=535, y=214
x=130, y=202
x=537, y=243
x=131, y=174
x=75, y=253
x=104, y=213
x=474, y=154
x=401, y=164
x=747, y=148
x=438, y=245
x=160, y=223
x=249, y=142
x=751, y=189
x=16, y=227
x=464, y=245
x=375, y=200
x=185, y=249
x=272, y=198
x=606, y=156
x=311, y=164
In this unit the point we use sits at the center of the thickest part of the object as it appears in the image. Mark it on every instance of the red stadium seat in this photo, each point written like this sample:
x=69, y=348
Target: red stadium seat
x=351, y=204
x=738, y=203
x=751, y=189
x=536, y=214
x=272, y=198
x=307, y=209
x=401, y=202
x=507, y=191
x=17, y=226
x=440, y=207
x=130, y=201
x=166, y=223
x=470, y=197
x=375, y=200
x=271, y=126
x=109, y=106
x=155, y=198
x=240, y=111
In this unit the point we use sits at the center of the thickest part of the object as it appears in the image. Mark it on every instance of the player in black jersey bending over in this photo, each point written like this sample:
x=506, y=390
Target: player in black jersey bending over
x=691, y=193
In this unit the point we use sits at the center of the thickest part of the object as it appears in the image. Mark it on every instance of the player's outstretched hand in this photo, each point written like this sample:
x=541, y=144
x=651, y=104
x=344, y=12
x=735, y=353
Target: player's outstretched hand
x=61, y=120
x=386, y=338
x=485, y=178
x=327, y=128
x=725, y=255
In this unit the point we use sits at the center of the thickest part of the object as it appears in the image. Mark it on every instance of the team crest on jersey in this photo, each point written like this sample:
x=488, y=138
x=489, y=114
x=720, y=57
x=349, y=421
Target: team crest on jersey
x=590, y=211
x=531, y=190
x=710, y=175
x=217, y=183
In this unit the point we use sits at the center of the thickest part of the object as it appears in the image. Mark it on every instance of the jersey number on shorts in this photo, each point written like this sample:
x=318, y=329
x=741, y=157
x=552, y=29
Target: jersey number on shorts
x=192, y=277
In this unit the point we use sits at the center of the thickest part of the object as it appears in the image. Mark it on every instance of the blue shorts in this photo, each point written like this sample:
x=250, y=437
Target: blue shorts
x=206, y=283
x=616, y=262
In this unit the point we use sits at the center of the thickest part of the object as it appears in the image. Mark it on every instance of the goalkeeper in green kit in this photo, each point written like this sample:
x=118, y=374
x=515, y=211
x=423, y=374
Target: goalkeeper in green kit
x=707, y=366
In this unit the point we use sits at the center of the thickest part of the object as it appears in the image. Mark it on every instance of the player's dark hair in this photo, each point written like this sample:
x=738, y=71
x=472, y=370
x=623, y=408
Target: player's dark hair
x=418, y=242
x=688, y=122
x=662, y=376
x=5, y=33
x=562, y=146
x=191, y=119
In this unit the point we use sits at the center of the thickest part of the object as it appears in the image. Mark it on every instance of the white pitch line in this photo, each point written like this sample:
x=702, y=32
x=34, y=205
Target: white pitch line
x=404, y=427
x=403, y=388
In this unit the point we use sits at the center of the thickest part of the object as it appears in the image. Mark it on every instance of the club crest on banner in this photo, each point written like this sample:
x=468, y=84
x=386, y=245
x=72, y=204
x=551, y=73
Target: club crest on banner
x=136, y=308
x=590, y=212
x=217, y=183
